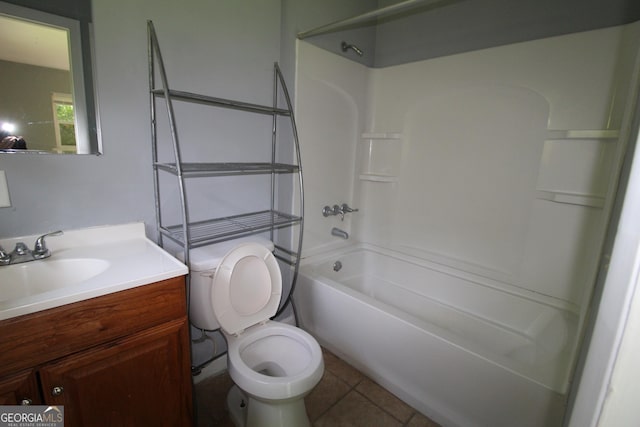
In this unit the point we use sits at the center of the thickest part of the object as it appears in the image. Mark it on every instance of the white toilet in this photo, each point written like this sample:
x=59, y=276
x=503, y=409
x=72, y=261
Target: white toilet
x=273, y=365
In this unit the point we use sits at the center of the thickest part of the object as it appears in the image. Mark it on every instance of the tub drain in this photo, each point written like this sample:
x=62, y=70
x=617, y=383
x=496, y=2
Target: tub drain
x=337, y=266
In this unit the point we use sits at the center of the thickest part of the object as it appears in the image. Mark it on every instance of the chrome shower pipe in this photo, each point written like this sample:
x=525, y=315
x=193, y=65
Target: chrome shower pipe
x=346, y=46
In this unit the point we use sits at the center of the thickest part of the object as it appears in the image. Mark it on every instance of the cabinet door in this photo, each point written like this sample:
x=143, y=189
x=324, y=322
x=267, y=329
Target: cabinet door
x=141, y=380
x=20, y=389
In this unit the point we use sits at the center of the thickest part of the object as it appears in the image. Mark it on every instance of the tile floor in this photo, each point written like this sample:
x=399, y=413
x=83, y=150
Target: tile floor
x=343, y=398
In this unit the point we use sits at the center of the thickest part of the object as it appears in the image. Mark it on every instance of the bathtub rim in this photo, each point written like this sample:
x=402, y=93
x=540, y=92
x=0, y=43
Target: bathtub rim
x=307, y=261
x=556, y=383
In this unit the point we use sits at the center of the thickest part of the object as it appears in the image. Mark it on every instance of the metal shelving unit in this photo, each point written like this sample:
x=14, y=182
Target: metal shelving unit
x=191, y=234
x=220, y=229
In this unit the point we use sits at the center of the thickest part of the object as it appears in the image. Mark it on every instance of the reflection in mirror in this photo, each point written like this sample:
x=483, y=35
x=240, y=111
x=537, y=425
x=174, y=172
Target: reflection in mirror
x=45, y=105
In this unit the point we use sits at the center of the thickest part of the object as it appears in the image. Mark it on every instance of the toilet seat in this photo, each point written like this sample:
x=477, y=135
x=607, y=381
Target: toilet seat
x=247, y=287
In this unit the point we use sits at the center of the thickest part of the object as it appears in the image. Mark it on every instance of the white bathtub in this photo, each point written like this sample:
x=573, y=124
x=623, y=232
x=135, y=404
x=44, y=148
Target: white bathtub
x=459, y=348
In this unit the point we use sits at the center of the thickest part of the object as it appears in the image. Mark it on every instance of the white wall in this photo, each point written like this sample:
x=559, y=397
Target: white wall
x=483, y=149
x=330, y=110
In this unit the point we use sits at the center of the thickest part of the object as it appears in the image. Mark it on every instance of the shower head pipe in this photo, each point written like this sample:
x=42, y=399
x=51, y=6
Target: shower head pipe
x=346, y=46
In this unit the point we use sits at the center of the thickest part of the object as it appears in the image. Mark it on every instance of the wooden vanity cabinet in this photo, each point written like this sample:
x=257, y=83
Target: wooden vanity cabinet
x=20, y=389
x=119, y=359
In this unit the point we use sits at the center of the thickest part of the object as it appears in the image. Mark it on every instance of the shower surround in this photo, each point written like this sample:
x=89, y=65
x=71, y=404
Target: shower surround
x=500, y=163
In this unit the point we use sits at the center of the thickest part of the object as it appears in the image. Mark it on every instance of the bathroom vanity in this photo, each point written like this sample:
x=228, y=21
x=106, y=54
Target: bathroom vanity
x=115, y=354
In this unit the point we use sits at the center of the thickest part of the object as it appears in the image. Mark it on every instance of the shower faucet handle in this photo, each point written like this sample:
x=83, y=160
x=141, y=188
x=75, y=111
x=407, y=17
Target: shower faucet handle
x=333, y=211
x=337, y=210
x=327, y=211
x=346, y=209
x=5, y=258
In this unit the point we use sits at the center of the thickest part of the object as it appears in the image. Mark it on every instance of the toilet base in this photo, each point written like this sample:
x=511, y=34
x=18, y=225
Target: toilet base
x=248, y=412
x=237, y=406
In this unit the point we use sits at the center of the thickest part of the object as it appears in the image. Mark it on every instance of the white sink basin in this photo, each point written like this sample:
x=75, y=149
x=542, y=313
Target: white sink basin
x=36, y=277
x=85, y=263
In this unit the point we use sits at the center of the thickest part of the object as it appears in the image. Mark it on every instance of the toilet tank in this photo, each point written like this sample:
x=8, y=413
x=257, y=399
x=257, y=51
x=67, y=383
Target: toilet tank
x=203, y=262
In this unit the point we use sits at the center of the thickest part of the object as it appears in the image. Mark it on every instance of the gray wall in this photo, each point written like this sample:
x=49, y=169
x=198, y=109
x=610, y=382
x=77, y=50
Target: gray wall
x=465, y=25
x=26, y=100
x=454, y=26
x=224, y=48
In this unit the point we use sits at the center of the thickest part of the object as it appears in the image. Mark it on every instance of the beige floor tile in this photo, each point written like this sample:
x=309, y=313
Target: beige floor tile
x=341, y=369
x=343, y=397
x=355, y=410
x=385, y=400
x=419, y=420
x=211, y=398
x=329, y=390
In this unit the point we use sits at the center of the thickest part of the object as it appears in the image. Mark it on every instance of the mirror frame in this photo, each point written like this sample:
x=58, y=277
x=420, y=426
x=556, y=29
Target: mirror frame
x=87, y=124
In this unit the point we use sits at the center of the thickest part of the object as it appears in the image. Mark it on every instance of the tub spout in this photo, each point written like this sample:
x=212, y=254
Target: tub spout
x=339, y=233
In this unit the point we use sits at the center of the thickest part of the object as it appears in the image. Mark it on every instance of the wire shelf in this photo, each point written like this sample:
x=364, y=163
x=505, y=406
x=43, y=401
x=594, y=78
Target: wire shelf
x=226, y=228
x=222, y=169
x=221, y=102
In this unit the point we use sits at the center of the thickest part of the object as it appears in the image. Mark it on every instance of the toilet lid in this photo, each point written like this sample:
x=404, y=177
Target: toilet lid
x=246, y=289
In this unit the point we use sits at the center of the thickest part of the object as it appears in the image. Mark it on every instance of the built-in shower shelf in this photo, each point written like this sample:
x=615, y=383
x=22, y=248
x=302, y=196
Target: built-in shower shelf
x=380, y=156
x=583, y=134
x=378, y=178
x=581, y=199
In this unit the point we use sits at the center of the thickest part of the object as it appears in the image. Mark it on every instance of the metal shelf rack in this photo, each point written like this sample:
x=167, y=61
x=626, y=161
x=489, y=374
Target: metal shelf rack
x=189, y=234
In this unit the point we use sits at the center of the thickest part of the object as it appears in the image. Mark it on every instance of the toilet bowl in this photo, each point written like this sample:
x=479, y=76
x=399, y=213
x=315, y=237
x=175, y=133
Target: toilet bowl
x=276, y=365
x=273, y=365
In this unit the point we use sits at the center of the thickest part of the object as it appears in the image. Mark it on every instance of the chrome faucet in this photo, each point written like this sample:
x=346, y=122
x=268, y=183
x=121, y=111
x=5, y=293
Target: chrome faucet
x=337, y=210
x=331, y=211
x=344, y=208
x=339, y=233
x=21, y=253
x=4, y=257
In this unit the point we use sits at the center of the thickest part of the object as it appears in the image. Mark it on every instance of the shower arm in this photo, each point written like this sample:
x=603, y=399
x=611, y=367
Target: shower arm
x=346, y=46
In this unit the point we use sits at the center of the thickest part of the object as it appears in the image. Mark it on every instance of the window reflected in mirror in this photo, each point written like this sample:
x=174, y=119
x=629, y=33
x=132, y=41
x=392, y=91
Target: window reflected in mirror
x=42, y=82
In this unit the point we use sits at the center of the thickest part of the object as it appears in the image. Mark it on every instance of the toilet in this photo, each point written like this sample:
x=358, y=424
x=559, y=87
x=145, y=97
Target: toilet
x=237, y=286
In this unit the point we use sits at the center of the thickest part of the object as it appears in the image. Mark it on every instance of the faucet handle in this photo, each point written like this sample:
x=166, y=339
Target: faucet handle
x=337, y=210
x=4, y=257
x=21, y=249
x=40, y=249
x=346, y=209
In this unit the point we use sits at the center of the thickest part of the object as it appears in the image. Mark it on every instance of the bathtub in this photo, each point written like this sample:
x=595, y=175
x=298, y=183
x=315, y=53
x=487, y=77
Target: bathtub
x=460, y=348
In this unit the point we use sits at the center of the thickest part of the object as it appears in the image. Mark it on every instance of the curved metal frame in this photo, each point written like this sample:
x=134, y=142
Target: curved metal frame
x=190, y=235
x=279, y=78
x=154, y=47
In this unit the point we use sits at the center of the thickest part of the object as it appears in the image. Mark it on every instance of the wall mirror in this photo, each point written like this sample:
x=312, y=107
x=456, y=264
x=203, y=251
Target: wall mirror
x=46, y=80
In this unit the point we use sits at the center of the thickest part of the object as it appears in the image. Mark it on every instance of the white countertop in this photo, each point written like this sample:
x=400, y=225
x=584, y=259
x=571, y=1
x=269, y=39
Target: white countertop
x=131, y=260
